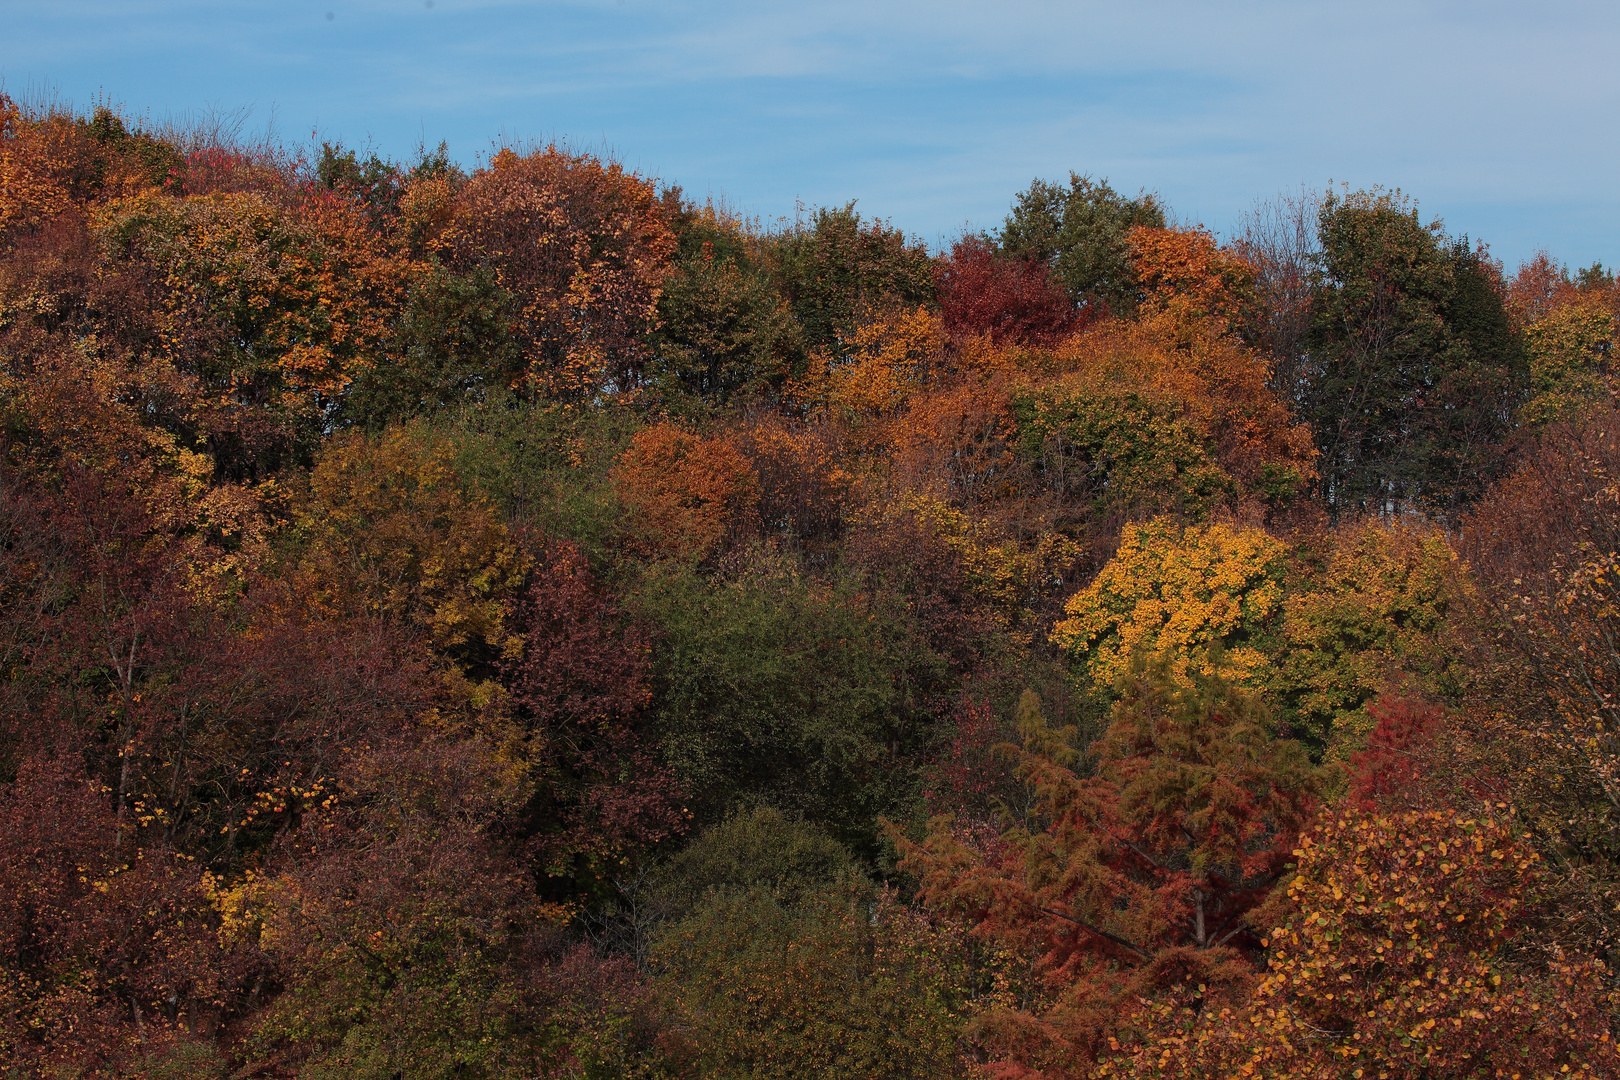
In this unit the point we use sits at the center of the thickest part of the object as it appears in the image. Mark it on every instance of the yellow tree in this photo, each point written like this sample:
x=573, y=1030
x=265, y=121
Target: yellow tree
x=1204, y=598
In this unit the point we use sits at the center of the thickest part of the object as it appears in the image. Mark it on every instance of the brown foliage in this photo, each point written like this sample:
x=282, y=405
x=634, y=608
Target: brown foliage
x=687, y=493
x=1132, y=879
x=804, y=486
x=1543, y=717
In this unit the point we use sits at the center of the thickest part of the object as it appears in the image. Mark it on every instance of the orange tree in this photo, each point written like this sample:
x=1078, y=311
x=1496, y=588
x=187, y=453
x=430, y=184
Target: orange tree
x=1406, y=948
x=1132, y=876
x=583, y=247
x=686, y=493
x=273, y=303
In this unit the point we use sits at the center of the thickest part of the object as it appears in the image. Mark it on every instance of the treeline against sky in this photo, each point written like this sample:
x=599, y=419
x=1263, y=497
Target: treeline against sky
x=521, y=622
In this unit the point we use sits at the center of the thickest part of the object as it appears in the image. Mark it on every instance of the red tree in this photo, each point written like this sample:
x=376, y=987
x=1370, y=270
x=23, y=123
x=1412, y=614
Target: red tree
x=985, y=293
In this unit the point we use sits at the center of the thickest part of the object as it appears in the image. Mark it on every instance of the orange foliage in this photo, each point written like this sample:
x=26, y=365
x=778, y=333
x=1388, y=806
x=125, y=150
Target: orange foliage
x=1174, y=356
x=685, y=493
x=1540, y=287
x=1401, y=955
x=890, y=357
x=584, y=247
x=955, y=442
x=267, y=302
x=1185, y=271
x=49, y=163
x=803, y=485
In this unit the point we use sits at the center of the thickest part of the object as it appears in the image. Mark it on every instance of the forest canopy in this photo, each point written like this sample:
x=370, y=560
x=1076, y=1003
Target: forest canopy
x=518, y=621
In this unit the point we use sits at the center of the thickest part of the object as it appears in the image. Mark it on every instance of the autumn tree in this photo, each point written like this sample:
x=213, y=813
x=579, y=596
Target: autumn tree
x=1201, y=599
x=1372, y=612
x=274, y=307
x=686, y=493
x=1542, y=716
x=1405, y=947
x=1137, y=871
x=1569, y=349
x=389, y=530
x=108, y=950
x=1010, y=300
x=581, y=690
x=1079, y=231
x=583, y=248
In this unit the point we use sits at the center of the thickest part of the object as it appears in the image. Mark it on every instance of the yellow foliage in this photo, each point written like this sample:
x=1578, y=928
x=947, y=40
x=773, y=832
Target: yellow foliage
x=1197, y=597
x=1397, y=958
x=889, y=359
x=1569, y=350
x=1005, y=573
x=1373, y=617
x=389, y=531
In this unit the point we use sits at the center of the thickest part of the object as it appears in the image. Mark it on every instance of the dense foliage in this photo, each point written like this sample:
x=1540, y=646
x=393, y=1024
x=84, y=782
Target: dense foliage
x=519, y=622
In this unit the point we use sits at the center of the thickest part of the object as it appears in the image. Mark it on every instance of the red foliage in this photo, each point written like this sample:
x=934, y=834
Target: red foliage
x=983, y=293
x=968, y=773
x=1393, y=772
x=580, y=689
x=108, y=948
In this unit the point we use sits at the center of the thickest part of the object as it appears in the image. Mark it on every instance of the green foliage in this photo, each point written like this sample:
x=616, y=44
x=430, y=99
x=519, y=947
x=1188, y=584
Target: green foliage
x=480, y=624
x=1413, y=371
x=1569, y=359
x=1119, y=452
x=837, y=268
x=724, y=328
x=547, y=467
x=156, y=161
x=453, y=349
x=1373, y=613
x=759, y=850
x=771, y=685
x=840, y=985
x=1079, y=231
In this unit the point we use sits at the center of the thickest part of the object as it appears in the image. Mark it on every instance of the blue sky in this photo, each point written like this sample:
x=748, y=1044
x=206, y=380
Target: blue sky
x=1502, y=118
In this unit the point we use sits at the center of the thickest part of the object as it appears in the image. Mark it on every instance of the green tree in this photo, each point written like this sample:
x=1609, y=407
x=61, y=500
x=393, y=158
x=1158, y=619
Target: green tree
x=838, y=267
x=813, y=696
x=1119, y=452
x=454, y=347
x=1413, y=371
x=724, y=328
x=1079, y=231
x=786, y=963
